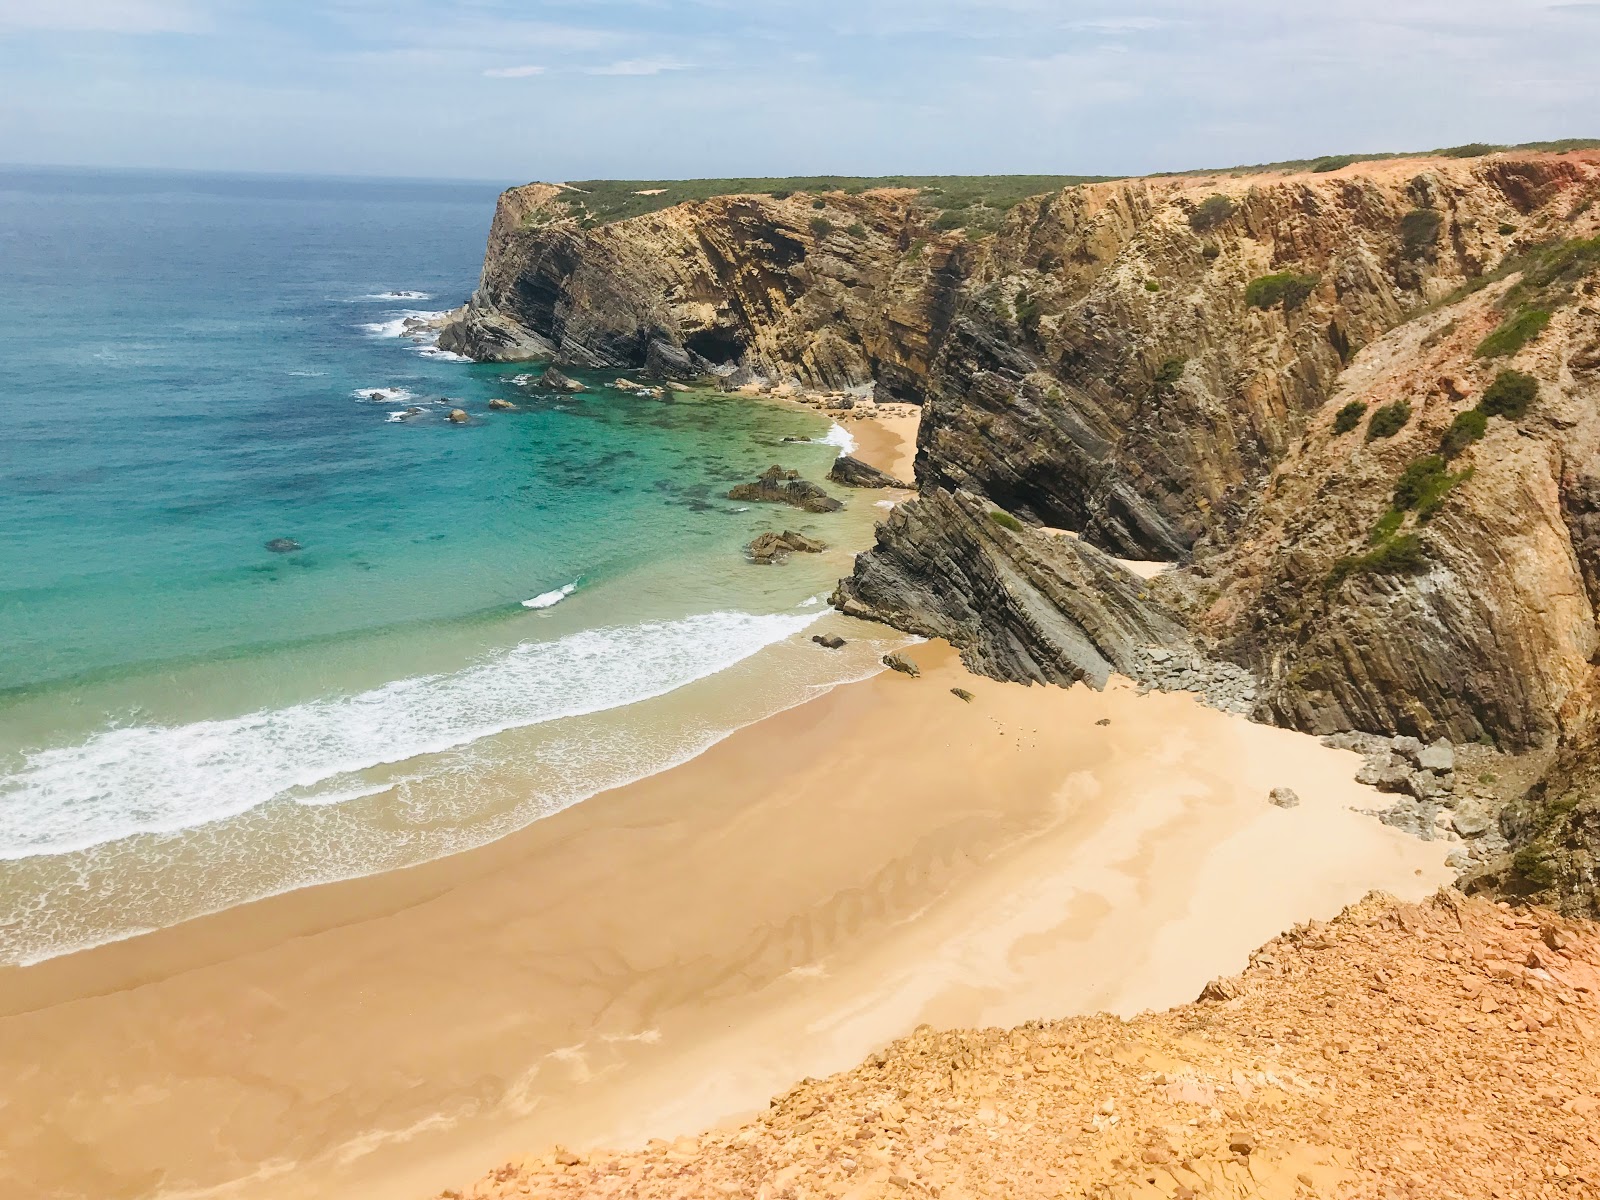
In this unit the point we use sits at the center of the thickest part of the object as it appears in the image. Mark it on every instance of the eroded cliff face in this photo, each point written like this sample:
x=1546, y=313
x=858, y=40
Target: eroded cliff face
x=853, y=293
x=1157, y=366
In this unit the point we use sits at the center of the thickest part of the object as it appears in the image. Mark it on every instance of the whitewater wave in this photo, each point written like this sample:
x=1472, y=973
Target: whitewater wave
x=384, y=395
x=395, y=326
x=160, y=779
x=553, y=597
x=839, y=436
x=444, y=355
x=397, y=296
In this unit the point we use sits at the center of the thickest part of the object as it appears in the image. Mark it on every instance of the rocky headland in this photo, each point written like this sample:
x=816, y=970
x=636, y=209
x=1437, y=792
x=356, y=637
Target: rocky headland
x=1355, y=409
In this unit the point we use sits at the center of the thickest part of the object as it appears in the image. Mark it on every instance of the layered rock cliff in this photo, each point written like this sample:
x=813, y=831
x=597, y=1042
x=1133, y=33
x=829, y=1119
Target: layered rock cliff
x=1282, y=383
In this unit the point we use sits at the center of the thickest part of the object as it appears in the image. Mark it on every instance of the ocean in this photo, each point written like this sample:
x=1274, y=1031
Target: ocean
x=477, y=624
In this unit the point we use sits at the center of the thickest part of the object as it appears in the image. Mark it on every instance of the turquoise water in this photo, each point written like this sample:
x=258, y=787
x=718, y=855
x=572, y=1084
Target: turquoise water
x=188, y=719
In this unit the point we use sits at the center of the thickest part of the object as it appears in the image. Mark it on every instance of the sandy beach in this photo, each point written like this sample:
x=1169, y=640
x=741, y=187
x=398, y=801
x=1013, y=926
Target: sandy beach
x=672, y=953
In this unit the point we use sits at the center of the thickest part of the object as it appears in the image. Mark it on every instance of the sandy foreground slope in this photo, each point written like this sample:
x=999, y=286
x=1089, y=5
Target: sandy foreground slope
x=1436, y=1050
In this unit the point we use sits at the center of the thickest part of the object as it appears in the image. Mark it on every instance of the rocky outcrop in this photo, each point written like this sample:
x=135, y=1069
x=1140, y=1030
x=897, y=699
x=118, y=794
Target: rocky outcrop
x=775, y=547
x=1019, y=602
x=852, y=472
x=778, y=486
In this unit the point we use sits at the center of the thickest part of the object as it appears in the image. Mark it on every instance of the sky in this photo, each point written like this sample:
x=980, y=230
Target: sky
x=577, y=89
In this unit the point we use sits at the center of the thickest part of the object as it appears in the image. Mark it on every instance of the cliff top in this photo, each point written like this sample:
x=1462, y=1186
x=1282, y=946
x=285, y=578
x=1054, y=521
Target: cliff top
x=1446, y=1048
x=975, y=202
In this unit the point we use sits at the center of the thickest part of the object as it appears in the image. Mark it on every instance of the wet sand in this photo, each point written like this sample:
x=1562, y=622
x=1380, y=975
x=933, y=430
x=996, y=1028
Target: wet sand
x=672, y=953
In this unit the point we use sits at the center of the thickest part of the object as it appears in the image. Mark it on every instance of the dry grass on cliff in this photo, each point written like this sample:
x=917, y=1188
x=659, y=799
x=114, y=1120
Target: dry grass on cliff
x=1443, y=1050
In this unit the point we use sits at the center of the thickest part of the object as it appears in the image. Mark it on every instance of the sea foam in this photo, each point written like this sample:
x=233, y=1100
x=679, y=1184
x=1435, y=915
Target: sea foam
x=552, y=597
x=161, y=779
x=839, y=436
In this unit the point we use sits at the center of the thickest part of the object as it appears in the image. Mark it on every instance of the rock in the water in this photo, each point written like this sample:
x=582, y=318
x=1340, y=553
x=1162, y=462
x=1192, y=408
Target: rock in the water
x=961, y=694
x=1284, y=797
x=775, y=547
x=663, y=360
x=502, y=405
x=905, y=666
x=459, y=416
x=283, y=545
x=829, y=641
x=852, y=472
x=1440, y=757
x=778, y=486
x=558, y=381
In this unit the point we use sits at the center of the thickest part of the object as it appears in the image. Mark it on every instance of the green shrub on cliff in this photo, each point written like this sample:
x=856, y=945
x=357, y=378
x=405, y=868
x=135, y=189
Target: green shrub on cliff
x=1424, y=484
x=1397, y=556
x=1286, y=287
x=1211, y=212
x=1468, y=427
x=1509, y=395
x=1389, y=420
x=1169, y=373
x=1348, y=417
x=821, y=226
x=1419, y=231
x=1515, y=332
x=1006, y=521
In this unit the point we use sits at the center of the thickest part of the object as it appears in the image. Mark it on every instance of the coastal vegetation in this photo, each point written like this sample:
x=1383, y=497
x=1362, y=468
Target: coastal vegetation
x=1348, y=417
x=1389, y=420
x=1288, y=288
x=969, y=198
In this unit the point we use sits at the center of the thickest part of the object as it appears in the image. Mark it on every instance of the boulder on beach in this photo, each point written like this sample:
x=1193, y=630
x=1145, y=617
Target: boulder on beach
x=502, y=405
x=779, y=486
x=897, y=662
x=1284, y=797
x=852, y=472
x=828, y=641
x=557, y=380
x=775, y=547
x=459, y=416
x=283, y=545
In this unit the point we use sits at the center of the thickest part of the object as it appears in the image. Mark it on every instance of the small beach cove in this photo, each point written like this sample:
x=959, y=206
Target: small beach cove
x=670, y=954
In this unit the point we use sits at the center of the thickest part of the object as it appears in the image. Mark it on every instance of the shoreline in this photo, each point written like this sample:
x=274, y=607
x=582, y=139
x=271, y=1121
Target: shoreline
x=805, y=890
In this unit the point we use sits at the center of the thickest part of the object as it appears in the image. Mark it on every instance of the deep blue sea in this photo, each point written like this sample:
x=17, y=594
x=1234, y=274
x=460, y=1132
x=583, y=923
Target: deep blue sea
x=189, y=719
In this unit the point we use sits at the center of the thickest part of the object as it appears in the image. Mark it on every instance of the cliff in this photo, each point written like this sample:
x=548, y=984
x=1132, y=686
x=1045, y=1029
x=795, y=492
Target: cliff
x=1443, y=1049
x=1287, y=384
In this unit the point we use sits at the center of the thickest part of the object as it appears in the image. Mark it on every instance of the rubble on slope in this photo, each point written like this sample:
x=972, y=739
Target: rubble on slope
x=1446, y=1049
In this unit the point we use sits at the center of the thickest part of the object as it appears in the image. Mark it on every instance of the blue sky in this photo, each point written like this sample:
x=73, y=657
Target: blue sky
x=668, y=88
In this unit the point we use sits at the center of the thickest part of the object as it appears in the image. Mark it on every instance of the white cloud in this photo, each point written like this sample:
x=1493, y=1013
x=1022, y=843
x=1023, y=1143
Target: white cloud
x=638, y=66
x=103, y=16
x=513, y=72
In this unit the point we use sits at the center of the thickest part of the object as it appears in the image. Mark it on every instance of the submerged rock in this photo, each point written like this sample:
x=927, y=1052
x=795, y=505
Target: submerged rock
x=828, y=641
x=775, y=547
x=502, y=405
x=778, y=486
x=284, y=545
x=852, y=472
x=459, y=416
